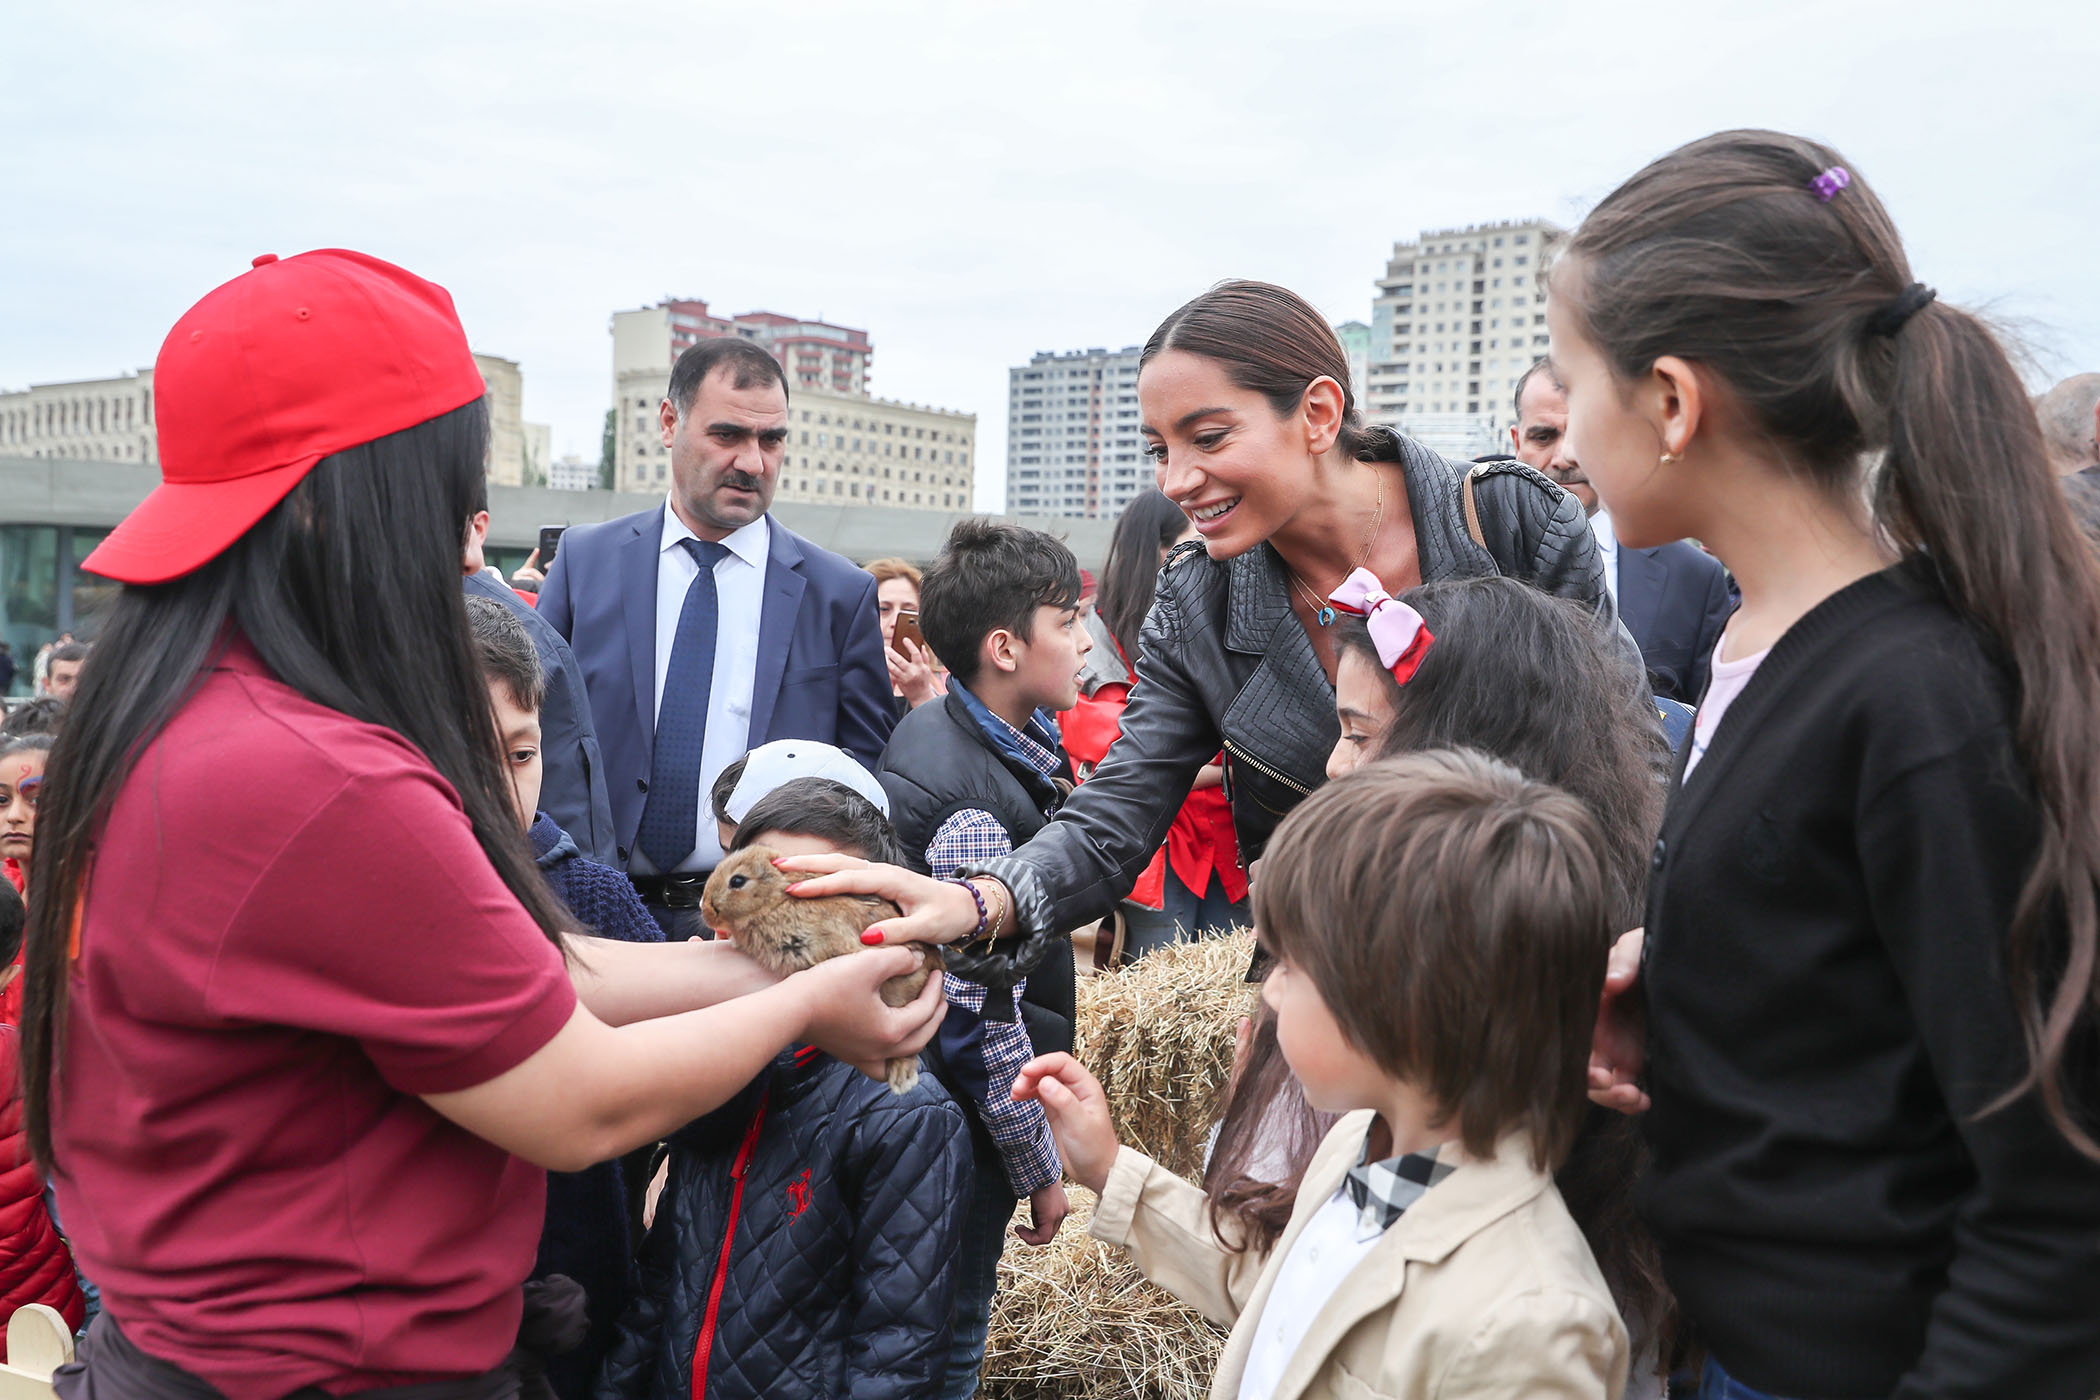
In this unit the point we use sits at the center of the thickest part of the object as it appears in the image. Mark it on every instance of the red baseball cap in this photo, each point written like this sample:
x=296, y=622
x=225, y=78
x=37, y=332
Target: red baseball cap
x=299, y=358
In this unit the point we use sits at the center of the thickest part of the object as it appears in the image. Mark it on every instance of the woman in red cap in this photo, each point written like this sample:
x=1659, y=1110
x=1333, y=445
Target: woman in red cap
x=302, y=1026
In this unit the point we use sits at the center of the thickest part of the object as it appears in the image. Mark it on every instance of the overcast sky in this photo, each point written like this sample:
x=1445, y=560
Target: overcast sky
x=970, y=182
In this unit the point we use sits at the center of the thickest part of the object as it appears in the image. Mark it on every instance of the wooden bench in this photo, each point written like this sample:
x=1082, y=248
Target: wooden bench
x=38, y=1343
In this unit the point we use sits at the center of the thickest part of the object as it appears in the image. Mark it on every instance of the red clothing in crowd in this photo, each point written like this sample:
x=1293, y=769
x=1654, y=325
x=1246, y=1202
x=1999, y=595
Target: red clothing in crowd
x=35, y=1265
x=289, y=934
x=1201, y=842
x=11, y=994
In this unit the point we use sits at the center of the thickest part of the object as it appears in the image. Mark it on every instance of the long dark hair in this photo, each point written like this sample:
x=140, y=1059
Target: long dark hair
x=1272, y=342
x=349, y=590
x=1539, y=683
x=1130, y=575
x=1720, y=253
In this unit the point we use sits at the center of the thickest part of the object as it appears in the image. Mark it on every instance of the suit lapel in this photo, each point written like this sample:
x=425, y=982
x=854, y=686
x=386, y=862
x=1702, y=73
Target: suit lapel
x=776, y=623
x=1641, y=577
x=638, y=560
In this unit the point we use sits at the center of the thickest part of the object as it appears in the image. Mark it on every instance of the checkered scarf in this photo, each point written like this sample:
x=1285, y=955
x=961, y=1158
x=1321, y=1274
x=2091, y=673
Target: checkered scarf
x=1382, y=1191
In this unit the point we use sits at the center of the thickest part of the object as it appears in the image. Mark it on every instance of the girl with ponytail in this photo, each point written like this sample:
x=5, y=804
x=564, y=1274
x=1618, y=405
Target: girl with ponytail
x=1870, y=960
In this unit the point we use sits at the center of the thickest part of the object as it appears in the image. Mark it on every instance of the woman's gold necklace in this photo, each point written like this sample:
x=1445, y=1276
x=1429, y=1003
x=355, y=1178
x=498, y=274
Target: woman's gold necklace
x=1323, y=611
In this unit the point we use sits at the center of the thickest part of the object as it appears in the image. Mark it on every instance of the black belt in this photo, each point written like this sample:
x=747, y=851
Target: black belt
x=671, y=891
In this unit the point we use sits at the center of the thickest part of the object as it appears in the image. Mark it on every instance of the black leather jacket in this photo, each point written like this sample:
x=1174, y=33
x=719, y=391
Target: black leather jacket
x=1226, y=665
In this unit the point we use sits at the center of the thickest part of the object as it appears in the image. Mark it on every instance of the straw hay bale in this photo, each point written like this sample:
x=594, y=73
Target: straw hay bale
x=1159, y=1035
x=1075, y=1320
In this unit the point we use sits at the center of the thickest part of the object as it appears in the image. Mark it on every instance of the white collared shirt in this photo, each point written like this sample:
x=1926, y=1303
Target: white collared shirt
x=1607, y=549
x=740, y=590
x=1320, y=1262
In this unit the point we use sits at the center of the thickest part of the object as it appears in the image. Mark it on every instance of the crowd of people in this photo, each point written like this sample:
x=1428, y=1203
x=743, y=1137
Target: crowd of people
x=1672, y=846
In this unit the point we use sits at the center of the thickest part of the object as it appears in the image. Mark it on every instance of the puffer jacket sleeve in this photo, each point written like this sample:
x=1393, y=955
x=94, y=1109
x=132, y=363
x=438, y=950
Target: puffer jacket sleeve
x=910, y=1183
x=1075, y=869
x=628, y=1369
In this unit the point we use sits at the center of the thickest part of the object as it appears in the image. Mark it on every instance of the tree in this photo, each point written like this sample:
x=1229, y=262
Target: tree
x=605, y=451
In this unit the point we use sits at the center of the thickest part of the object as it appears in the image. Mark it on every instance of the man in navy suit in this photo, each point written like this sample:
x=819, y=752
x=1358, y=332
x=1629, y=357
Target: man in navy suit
x=1674, y=598
x=705, y=628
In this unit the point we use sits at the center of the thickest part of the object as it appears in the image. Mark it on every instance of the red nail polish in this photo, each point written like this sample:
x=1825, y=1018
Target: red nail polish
x=872, y=937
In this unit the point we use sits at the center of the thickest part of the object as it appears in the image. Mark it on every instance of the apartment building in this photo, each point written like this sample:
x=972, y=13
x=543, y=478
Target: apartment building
x=1460, y=315
x=1072, y=441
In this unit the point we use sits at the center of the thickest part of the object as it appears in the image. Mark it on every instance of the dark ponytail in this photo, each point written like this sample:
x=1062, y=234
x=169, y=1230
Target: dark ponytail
x=1725, y=253
x=1272, y=342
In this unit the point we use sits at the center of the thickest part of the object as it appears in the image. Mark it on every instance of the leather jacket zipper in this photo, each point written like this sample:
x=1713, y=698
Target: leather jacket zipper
x=1292, y=783
x=714, y=1294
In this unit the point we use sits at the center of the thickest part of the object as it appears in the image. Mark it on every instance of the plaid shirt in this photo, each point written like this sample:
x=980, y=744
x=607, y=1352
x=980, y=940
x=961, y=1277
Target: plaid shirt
x=1021, y=1131
x=1382, y=1191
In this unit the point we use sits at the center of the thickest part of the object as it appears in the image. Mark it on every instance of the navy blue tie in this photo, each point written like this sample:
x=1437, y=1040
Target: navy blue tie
x=671, y=815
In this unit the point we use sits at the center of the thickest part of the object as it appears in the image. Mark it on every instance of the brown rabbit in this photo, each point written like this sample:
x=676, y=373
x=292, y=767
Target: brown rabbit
x=747, y=899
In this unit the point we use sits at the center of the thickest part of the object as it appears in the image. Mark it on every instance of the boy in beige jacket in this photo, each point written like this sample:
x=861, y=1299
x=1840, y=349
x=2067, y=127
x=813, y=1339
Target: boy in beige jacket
x=1439, y=929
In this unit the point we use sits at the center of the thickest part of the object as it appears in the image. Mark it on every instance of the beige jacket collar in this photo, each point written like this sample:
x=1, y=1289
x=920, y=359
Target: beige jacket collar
x=1479, y=1193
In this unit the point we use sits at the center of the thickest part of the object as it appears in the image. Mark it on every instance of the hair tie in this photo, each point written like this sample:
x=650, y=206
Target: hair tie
x=1908, y=303
x=1827, y=184
x=1396, y=629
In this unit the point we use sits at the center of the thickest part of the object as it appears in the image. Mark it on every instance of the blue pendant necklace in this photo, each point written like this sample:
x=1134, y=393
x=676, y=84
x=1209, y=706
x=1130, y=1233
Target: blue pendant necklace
x=1323, y=611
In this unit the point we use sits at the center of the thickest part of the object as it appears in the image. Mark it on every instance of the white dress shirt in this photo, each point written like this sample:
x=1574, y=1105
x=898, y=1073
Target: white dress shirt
x=1320, y=1262
x=1608, y=549
x=740, y=590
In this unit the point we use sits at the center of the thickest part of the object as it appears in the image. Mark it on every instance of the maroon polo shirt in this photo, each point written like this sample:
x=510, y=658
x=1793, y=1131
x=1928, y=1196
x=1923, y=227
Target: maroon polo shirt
x=289, y=934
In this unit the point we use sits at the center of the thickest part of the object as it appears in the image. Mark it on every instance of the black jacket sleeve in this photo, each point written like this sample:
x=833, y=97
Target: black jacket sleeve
x=628, y=1372
x=1946, y=846
x=910, y=1181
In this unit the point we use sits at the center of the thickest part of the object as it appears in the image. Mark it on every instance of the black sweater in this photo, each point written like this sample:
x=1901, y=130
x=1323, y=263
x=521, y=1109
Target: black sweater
x=1828, y=1012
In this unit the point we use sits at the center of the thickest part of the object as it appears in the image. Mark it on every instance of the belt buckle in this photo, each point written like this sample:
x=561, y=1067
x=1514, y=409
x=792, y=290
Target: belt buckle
x=683, y=891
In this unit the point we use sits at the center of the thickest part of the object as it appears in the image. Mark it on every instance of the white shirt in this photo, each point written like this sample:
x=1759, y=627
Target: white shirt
x=740, y=590
x=1607, y=549
x=1323, y=1256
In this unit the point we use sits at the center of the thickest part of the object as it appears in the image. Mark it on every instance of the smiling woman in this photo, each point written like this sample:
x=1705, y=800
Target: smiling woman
x=1254, y=433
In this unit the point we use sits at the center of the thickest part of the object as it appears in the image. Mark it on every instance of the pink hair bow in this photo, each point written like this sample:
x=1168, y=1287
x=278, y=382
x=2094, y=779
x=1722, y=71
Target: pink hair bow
x=1396, y=629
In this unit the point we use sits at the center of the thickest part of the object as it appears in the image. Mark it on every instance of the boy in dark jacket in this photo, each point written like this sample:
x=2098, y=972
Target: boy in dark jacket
x=585, y=1235
x=970, y=777
x=804, y=1245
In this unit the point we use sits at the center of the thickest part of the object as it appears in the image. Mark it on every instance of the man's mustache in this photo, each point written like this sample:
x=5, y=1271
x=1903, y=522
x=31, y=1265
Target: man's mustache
x=742, y=481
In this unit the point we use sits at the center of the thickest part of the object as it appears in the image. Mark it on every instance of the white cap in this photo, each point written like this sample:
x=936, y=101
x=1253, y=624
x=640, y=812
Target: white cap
x=784, y=760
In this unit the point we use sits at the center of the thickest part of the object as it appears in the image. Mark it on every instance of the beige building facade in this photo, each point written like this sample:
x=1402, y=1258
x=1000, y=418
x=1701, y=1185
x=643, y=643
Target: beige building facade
x=1460, y=315
x=843, y=449
x=96, y=420
x=111, y=420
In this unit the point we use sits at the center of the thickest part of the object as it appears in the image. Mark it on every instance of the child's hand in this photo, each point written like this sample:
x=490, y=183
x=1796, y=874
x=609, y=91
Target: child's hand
x=1047, y=1209
x=1078, y=1113
x=1618, y=1049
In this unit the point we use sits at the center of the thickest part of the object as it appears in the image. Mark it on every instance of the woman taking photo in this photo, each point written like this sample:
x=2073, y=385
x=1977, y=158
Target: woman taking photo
x=1254, y=435
x=302, y=1027
x=913, y=679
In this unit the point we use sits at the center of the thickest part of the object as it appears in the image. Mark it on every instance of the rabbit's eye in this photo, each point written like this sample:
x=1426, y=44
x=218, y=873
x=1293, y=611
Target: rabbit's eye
x=737, y=882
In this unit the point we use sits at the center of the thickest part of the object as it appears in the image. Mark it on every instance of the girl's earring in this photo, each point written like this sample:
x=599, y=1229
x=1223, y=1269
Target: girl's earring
x=1668, y=457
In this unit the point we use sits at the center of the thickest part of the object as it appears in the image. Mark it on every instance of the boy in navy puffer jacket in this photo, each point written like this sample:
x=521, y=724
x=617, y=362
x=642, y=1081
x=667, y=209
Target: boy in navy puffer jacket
x=804, y=1244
